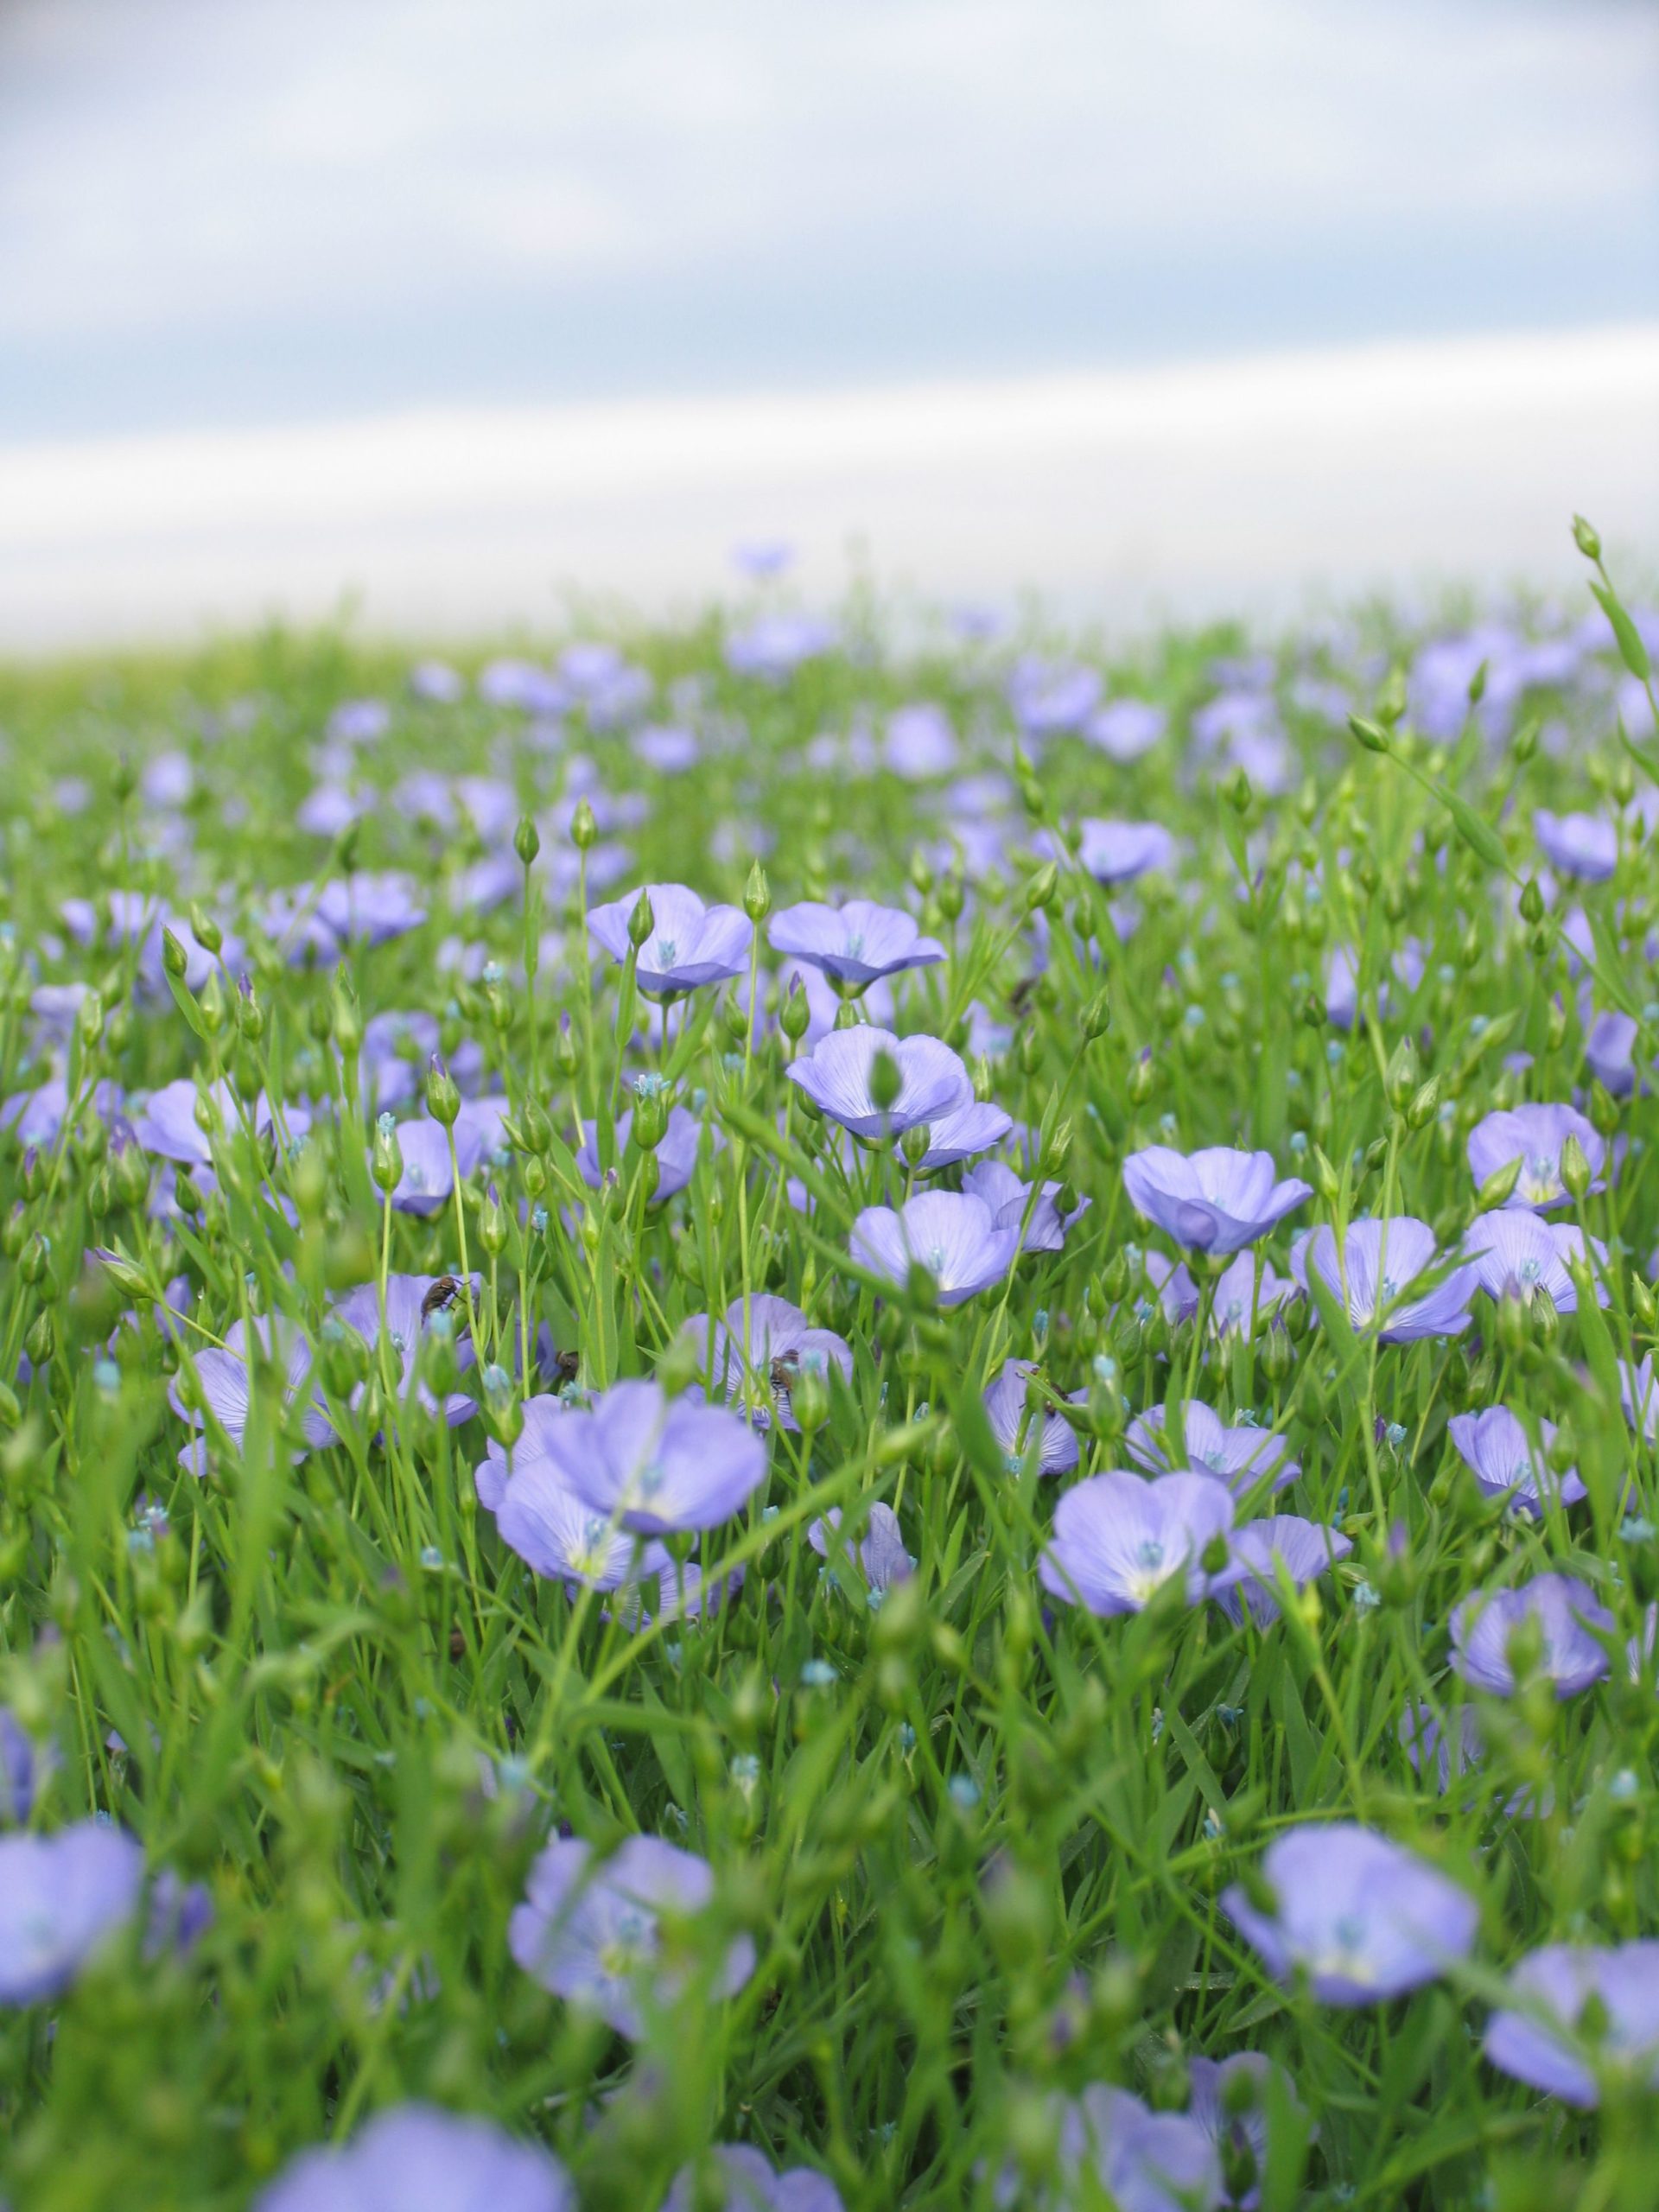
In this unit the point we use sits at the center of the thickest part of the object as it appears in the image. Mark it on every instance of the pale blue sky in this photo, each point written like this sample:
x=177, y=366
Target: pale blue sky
x=253, y=211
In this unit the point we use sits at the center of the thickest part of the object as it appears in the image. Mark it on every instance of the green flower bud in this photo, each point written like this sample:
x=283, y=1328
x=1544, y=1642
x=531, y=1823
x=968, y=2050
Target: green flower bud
x=649, y=1123
x=1575, y=1169
x=439, y=1366
x=914, y=1143
x=1402, y=1074
x=1375, y=740
x=1095, y=1018
x=442, y=1097
x=886, y=1082
x=42, y=1339
x=527, y=842
x=1499, y=1186
x=809, y=1394
x=1586, y=538
x=89, y=1018
x=1424, y=1103
x=1043, y=887
x=173, y=958
x=492, y=1224
x=1532, y=901
x=1391, y=698
x=205, y=930
x=641, y=921
x=794, y=1016
x=386, y=1157
x=757, y=893
x=584, y=830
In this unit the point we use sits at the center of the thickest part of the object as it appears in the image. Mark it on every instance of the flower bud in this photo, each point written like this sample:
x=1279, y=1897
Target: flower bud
x=1043, y=887
x=174, y=959
x=809, y=1394
x=503, y=1416
x=1575, y=1169
x=344, y=1356
x=886, y=1082
x=527, y=842
x=1499, y=1186
x=205, y=930
x=1095, y=1018
x=1604, y=1108
x=1586, y=538
x=1391, y=698
x=1400, y=1081
x=757, y=893
x=440, y=1369
x=1525, y=742
x=649, y=1123
x=1374, y=739
x=1326, y=1181
x=914, y=1143
x=442, y=1097
x=34, y=1259
x=794, y=1016
x=41, y=1340
x=1142, y=1076
x=1425, y=1102
x=584, y=829
x=641, y=921
x=386, y=1157
x=492, y=1224
x=214, y=1011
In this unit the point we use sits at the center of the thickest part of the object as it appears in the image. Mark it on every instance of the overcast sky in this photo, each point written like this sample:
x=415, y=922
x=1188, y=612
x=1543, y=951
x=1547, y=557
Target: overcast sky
x=251, y=211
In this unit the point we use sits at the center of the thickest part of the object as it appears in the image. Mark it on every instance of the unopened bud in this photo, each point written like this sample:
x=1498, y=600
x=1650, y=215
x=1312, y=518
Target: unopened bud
x=527, y=842
x=173, y=956
x=886, y=1082
x=641, y=921
x=584, y=829
x=1373, y=737
x=386, y=1157
x=1575, y=1169
x=205, y=930
x=648, y=1122
x=794, y=1016
x=1043, y=886
x=492, y=1224
x=757, y=893
x=1391, y=698
x=1095, y=1018
x=1499, y=1186
x=442, y=1097
x=1586, y=539
x=1400, y=1082
x=914, y=1143
x=1424, y=1102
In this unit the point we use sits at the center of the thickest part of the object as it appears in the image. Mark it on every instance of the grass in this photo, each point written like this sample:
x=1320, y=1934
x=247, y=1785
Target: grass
x=977, y=1836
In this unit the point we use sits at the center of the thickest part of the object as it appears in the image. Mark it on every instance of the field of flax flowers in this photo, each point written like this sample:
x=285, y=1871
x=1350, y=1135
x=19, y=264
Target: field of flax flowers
x=797, y=1423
